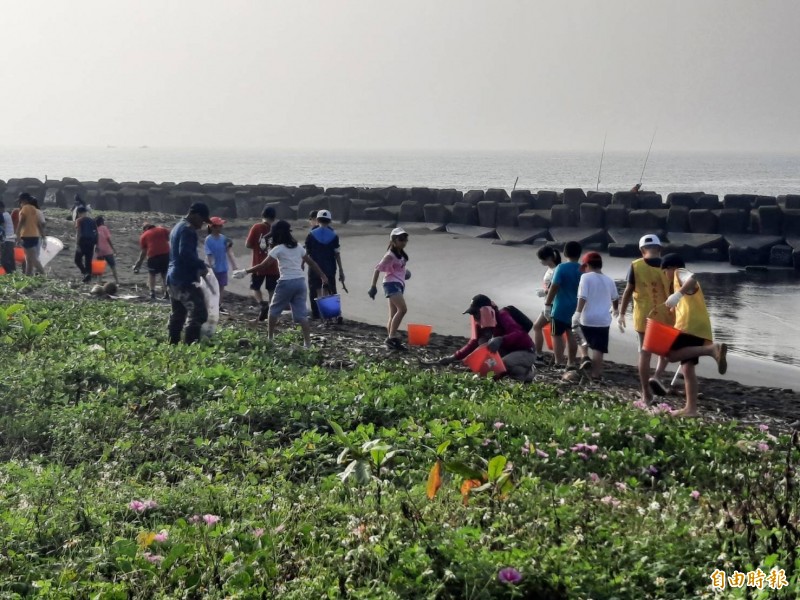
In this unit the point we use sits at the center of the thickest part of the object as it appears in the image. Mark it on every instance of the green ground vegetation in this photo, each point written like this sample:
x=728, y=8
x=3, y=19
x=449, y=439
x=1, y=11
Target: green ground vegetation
x=238, y=469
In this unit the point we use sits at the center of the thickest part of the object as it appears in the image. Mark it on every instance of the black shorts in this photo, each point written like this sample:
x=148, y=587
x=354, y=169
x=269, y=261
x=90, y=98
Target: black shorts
x=268, y=281
x=687, y=340
x=158, y=265
x=596, y=337
x=559, y=328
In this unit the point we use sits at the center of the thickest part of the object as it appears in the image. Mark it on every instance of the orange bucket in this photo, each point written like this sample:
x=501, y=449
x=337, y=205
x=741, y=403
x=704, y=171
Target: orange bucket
x=483, y=362
x=658, y=338
x=548, y=336
x=19, y=254
x=98, y=267
x=419, y=335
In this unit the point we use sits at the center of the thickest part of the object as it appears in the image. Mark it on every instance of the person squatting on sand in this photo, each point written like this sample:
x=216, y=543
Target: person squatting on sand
x=86, y=234
x=154, y=243
x=291, y=289
x=500, y=331
x=692, y=320
x=322, y=245
x=395, y=275
x=183, y=277
x=29, y=233
x=219, y=254
x=597, y=297
x=561, y=302
x=550, y=258
x=258, y=242
x=105, y=248
x=647, y=284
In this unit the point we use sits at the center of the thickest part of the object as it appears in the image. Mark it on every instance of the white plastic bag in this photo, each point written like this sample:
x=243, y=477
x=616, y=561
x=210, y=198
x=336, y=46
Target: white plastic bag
x=210, y=288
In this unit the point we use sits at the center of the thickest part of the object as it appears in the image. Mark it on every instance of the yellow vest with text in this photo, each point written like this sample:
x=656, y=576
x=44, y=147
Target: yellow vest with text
x=691, y=314
x=650, y=291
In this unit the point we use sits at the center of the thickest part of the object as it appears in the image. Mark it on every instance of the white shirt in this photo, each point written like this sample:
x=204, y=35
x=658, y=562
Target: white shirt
x=290, y=261
x=8, y=227
x=599, y=291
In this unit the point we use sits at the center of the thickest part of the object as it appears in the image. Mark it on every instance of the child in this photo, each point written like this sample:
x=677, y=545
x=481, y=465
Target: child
x=647, y=285
x=218, y=251
x=550, y=258
x=87, y=238
x=597, y=294
x=258, y=242
x=560, y=304
x=691, y=318
x=395, y=274
x=291, y=289
x=105, y=249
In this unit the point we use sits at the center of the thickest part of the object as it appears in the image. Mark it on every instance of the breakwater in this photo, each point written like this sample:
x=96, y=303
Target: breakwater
x=744, y=229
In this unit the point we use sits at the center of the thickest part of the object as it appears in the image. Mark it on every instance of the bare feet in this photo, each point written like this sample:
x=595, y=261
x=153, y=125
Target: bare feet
x=686, y=413
x=720, y=355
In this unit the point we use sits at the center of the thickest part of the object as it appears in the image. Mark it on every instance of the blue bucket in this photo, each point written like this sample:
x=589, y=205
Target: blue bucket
x=330, y=307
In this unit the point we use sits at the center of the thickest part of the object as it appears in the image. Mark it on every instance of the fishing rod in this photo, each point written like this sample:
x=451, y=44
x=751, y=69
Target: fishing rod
x=648, y=156
x=602, y=154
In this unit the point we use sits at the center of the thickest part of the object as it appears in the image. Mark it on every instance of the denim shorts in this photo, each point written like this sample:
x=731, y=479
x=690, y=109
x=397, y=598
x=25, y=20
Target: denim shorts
x=290, y=292
x=392, y=288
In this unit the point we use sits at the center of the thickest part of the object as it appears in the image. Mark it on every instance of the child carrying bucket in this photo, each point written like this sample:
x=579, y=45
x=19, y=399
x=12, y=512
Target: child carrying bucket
x=694, y=326
x=550, y=258
x=395, y=275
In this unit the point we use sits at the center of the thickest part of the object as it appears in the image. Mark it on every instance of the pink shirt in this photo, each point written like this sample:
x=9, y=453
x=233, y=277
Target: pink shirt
x=104, y=241
x=393, y=268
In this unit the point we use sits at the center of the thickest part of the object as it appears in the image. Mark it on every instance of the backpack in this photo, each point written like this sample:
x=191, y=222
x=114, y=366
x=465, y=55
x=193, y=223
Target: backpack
x=520, y=317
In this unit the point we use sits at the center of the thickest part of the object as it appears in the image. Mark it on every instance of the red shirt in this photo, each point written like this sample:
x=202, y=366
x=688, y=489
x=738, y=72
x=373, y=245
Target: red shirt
x=258, y=231
x=155, y=241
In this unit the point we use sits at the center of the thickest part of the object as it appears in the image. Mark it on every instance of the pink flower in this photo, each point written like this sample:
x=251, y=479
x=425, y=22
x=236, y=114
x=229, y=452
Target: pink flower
x=509, y=575
x=695, y=495
x=257, y=533
x=499, y=425
x=162, y=536
x=621, y=486
x=211, y=519
x=541, y=454
x=153, y=558
x=763, y=446
x=594, y=477
x=763, y=427
x=560, y=452
x=649, y=438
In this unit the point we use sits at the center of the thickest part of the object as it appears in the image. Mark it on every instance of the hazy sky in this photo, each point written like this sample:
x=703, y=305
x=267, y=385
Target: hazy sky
x=405, y=74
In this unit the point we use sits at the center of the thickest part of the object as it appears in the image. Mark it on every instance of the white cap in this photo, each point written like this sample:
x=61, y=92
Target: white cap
x=397, y=231
x=324, y=214
x=649, y=240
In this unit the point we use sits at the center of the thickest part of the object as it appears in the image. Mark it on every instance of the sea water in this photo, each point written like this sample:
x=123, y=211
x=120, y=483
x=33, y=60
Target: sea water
x=755, y=312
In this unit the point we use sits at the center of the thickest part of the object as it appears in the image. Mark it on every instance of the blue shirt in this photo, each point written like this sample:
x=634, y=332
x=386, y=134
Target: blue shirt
x=185, y=265
x=567, y=276
x=218, y=248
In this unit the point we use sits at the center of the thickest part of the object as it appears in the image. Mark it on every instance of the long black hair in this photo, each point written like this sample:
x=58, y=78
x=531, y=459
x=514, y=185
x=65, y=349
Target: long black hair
x=281, y=233
x=548, y=252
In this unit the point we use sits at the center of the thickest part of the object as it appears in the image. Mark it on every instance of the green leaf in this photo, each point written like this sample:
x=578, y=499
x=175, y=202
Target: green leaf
x=496, y=466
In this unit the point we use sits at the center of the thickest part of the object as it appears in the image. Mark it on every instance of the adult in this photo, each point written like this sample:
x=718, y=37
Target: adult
x=86, y=234
x=154, y=244
x=497, y=328
x=647, y=285
x=29, y=233
x=184, y=273
x=267, y=276
x=7, y=240
x=322, y=245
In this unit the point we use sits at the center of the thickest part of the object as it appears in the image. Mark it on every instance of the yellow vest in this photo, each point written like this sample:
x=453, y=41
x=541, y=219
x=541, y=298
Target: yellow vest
x=650, y=291
x=691, y=314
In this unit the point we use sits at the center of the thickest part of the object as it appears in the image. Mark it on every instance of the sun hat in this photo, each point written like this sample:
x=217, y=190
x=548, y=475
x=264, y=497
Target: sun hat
x=650, y=239
x=217, y=221
x=324, y=214
x=398, y=231
x=478, y=302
